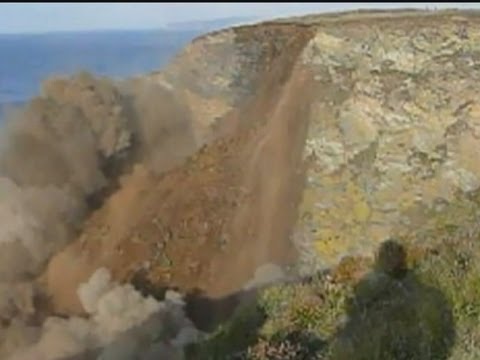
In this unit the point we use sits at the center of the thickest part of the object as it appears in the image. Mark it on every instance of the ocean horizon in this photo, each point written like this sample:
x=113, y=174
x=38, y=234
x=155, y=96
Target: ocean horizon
x=28, y=59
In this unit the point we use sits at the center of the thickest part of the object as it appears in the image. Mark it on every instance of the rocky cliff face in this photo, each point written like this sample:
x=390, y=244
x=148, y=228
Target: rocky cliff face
x=332, y=133
x=393, y=119
x=394, y=131
x=296, y=142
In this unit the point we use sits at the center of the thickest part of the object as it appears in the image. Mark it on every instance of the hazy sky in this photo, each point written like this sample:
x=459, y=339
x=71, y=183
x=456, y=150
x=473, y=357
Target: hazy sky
x=45, y=17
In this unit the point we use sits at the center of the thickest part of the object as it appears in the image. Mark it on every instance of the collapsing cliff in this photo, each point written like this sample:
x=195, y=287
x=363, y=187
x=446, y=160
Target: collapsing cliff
x=61, y=156
x=295, y=142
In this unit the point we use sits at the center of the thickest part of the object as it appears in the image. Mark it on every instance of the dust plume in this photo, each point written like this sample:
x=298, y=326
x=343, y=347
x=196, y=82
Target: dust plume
x=59, y=156
x=163, y=125
x=120, y=323
x=53, y=157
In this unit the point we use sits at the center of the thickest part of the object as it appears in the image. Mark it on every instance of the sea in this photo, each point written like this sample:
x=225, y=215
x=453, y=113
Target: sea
x=27, y=59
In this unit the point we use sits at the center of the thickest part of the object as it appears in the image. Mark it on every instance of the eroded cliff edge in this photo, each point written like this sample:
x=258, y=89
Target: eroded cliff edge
x=318, y=137
x=296, y=142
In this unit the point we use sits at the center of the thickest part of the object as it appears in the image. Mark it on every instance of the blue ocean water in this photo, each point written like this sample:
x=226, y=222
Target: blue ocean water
x=26, y=60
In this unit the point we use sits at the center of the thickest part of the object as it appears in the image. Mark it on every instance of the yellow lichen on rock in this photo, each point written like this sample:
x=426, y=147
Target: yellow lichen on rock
x=400, y=143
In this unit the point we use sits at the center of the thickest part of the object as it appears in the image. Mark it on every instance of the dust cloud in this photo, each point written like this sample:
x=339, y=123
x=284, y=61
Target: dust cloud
x=59, y=156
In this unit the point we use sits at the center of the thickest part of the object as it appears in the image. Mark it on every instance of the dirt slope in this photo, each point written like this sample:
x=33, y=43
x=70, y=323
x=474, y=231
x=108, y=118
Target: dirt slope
x=199, y=226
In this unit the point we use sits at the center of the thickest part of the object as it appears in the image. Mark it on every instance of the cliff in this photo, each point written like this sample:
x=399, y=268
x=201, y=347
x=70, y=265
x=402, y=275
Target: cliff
x=298, y=142
x=334, y=133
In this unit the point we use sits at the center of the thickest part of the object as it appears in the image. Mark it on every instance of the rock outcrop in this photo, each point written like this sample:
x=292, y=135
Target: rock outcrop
x=393, y=120
x=394, y=131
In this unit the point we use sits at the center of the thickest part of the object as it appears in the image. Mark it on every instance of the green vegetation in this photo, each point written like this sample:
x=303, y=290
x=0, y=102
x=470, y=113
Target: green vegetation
x=454, y=268
x=431, y=312
x=379, y=317
x=231, y=338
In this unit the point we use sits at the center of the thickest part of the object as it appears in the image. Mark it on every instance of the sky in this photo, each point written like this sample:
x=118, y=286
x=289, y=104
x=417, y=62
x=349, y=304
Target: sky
x=48, y=17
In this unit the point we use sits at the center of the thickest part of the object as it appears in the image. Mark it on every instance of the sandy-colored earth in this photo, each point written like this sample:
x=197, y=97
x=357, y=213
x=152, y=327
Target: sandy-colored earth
x=198, y=226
